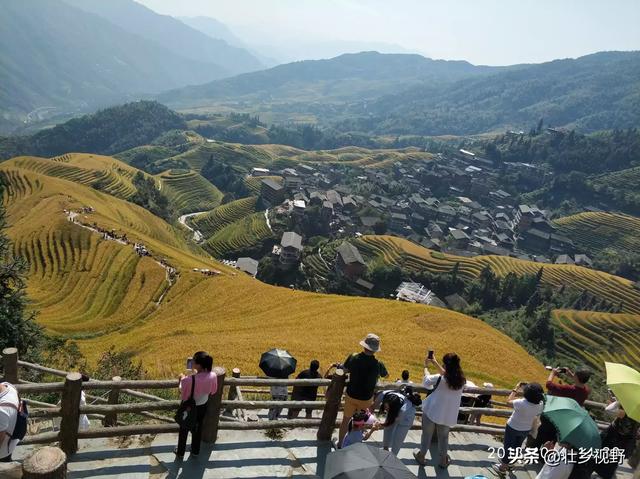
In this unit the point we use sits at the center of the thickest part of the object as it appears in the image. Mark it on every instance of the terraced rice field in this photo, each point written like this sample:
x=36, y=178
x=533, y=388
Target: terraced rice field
x=399, y=251
x=99, y=292
x=189, y=191
x=101, y=172
x=628, y=179
x=213, y=221
x=597, y=231
x=240, y=235
x=245, y=157
x=593, y=337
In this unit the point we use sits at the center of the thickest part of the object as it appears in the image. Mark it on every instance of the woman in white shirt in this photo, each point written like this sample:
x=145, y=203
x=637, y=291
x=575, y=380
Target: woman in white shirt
x=525, y=411
x=9, y=405
x=440, y=409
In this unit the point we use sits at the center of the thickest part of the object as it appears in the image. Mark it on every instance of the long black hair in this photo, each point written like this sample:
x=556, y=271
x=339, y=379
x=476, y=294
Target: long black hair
x=453, y=372
x=395, y=403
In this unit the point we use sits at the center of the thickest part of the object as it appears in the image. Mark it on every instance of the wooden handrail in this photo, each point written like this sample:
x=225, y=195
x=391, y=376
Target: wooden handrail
x=37, y=388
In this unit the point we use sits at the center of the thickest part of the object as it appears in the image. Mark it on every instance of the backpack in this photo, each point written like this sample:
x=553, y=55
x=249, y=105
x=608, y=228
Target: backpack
x=186, y=414
x=20, y=429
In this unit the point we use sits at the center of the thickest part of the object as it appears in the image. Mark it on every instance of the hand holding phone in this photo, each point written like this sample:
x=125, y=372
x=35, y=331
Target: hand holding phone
x=430, y=354
x=189, y=363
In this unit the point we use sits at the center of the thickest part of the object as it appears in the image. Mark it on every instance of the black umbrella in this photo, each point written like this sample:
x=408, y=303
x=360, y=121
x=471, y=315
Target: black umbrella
x=361, y=461
x=278, y=363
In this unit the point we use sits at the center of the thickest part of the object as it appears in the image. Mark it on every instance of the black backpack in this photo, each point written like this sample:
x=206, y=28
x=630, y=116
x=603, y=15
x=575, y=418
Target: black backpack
x=186, y=413
x=20, y=429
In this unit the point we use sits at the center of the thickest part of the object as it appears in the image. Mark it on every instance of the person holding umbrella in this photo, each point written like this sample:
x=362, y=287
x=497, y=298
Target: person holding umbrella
x=624, y=431
x=364, y=370
x=277, y=364
x=575, y=429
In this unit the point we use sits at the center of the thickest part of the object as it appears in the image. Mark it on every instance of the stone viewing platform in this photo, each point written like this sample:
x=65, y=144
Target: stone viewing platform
x=238, y=440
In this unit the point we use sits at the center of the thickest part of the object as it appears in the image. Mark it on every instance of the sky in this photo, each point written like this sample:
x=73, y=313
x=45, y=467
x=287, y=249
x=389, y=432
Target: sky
x=489, y=32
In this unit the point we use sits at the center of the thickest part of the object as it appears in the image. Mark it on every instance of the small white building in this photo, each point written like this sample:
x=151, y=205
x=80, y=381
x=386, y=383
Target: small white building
x=260, y=172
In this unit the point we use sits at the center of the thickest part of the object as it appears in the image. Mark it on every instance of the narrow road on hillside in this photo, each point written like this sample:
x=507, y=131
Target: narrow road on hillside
x=266, y=217
x=197, y=236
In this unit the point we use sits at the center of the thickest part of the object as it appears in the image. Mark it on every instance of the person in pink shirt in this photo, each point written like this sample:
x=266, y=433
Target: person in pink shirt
x=206, y=384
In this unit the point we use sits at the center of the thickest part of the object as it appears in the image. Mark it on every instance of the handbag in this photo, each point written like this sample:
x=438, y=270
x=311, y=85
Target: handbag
x=186, y=415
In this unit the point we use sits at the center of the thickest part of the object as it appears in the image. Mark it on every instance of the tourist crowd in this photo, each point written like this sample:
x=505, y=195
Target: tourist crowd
x=393, y=411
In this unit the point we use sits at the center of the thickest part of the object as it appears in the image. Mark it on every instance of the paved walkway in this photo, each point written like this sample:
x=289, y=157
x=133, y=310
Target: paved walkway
x=251, y=454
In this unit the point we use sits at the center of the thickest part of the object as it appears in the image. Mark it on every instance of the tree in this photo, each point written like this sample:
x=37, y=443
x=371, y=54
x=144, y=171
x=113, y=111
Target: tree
x=380, y=227
x=17, y=325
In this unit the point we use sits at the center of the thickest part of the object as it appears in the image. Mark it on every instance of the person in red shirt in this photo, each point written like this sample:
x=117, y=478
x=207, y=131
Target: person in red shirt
x=578, y=391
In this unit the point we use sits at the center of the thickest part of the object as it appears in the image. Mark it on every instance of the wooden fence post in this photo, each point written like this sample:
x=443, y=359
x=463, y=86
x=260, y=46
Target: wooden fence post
x=45, y=463
x=10, y=365
x=333, y=397
x=233, y=390
x=70, y=413
x=111, y=418
x=212, y=418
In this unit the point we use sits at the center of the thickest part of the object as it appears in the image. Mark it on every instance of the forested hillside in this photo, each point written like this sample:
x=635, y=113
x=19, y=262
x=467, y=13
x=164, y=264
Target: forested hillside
x=108, y=131
x=408, y=94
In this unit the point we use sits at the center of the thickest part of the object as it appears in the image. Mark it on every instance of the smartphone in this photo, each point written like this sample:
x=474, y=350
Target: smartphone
x=430, y=354
x=189, y=363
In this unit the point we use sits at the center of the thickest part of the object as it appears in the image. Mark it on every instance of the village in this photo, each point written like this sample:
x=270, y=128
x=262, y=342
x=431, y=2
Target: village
x=449, y=203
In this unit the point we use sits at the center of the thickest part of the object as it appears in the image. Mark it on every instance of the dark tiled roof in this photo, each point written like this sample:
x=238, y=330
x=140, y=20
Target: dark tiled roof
x=349, y=253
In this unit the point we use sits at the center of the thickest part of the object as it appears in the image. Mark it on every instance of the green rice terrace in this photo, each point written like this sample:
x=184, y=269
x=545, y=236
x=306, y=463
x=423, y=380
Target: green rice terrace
x=188, y=191
x=242, y=235
x=213, y=221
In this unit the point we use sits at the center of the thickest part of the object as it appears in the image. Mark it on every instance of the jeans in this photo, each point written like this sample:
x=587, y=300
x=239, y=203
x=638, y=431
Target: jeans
x=428, y=427
x=196, y=434
x=274, y=412
x=512, y=440
x=394, y=435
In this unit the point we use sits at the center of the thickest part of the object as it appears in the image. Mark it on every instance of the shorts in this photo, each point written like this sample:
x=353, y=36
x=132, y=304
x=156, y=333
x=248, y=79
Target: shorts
x=352, y=405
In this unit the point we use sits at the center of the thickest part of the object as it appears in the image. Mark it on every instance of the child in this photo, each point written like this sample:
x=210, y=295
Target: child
x=357, y=426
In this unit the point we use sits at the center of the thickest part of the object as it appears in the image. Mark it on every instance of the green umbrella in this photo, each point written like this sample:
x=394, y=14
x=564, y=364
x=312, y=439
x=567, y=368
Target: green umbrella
x=625, y=384
x=573, y=423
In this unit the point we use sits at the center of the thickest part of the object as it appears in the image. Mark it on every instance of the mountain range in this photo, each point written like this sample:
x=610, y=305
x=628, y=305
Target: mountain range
x=409, y=94
x=64, y=57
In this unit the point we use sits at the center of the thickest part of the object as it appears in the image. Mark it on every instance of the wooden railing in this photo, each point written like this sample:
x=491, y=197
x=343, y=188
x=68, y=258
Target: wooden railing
x=219, y=413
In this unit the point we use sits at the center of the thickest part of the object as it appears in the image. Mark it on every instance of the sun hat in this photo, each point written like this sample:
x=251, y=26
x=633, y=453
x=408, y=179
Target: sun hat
x=371, y=343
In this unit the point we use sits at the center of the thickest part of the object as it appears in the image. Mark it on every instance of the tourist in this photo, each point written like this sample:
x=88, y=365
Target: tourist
x=578, y=391
x=480, y=401
x=278, y=393
x=399, y=407
x=364, y=370
x=440, y=409
x=621, y=433
x=520, y=423
x=356, y=427
x=305, y=393
x=84, y=419
x=206, y=384
x=557, y=469
x=9, y=405
x=404, y=378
